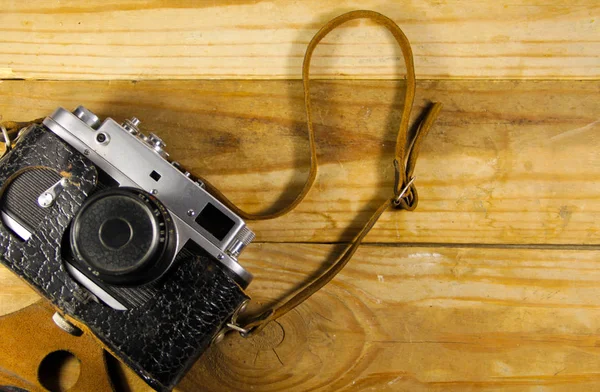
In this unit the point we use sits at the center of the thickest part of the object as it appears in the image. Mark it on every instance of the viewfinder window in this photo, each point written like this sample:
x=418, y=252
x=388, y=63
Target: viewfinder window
x=215, y=222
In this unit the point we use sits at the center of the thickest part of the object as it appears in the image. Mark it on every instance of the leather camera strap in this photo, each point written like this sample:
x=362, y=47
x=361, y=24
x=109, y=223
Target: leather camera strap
x=405, y=195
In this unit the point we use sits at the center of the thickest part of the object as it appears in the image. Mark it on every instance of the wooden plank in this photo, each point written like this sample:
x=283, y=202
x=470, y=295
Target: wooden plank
x=417, y=318
x=14, y=293
x=508, y=162
x=158, y=39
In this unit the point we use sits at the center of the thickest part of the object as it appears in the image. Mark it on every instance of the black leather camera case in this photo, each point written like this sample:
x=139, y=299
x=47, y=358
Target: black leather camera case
x=161, y=339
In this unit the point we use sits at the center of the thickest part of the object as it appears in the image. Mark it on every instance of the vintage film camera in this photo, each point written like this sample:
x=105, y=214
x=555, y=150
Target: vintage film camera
x=100, y=222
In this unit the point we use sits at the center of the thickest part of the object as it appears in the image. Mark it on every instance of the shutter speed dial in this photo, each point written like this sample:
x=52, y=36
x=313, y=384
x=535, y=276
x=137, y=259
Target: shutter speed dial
x=132, y=126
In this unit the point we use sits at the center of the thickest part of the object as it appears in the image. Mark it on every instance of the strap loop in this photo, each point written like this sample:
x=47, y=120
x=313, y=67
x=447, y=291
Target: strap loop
x=405, y=193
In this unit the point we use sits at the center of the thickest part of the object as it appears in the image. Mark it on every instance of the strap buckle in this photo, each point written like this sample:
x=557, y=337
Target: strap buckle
x=404, y=190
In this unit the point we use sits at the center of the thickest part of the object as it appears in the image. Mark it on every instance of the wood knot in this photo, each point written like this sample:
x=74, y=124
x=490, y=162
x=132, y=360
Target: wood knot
x=269, y=338
x=313, y=345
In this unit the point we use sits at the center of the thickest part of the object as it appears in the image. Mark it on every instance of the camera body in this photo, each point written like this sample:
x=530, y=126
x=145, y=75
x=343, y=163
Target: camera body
x=97, y=219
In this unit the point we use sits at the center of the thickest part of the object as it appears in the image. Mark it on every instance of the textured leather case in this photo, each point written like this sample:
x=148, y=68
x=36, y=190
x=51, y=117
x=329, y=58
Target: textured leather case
x=161, y=339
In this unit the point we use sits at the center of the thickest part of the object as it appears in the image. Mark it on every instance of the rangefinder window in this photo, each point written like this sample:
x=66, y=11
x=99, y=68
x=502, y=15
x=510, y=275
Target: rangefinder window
x=155, y=175
x=215, y=222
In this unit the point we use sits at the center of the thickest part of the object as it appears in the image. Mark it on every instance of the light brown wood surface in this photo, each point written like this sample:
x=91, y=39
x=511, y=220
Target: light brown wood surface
x=413, y=318
x=115, y=39
x=492, y=284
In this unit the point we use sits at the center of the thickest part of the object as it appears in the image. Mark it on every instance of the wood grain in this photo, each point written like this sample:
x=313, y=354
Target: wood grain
x=406, y=318
x=159, y=39
x=14, y=293
x=492, y=284
x=416, y=319
x=508, y=162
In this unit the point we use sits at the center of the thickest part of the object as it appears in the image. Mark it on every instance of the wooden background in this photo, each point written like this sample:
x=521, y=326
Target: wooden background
x=492, y=284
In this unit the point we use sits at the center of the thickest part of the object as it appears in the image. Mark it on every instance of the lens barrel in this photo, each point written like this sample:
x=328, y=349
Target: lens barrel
x=123, y=236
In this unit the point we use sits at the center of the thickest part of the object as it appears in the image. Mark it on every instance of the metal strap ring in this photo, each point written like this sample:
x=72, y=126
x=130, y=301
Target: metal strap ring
x=244, y=332
x=6, y=138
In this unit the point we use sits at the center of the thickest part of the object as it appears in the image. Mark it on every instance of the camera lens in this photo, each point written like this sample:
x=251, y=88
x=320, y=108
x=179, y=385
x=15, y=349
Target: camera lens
x=115, y=233
x=123, y=236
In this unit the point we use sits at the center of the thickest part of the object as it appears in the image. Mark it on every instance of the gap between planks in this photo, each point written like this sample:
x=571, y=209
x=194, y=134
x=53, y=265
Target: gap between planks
x=590, y=247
